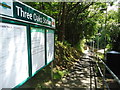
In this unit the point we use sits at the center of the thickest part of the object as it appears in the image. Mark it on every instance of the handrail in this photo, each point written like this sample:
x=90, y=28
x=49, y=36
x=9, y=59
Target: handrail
x=114, y=76
x=102, y=76
x=109, y=70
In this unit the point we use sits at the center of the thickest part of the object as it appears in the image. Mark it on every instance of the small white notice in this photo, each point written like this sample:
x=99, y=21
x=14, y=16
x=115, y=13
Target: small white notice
x=37, y=49
x=50, y=45
x=6, y=7
x=13, y=55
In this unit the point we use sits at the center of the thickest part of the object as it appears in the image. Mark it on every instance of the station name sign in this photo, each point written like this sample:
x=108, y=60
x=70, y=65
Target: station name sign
x=18, y=10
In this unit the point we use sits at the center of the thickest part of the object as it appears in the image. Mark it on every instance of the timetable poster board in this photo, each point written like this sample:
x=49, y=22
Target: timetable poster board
x=37, y=48
x=13, y=55
x=50, y=45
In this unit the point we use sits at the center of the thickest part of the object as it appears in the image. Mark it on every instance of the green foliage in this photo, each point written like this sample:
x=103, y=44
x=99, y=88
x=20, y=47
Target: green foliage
x=65, y=55
x=80, y=46
x=110, y=31
x=59, y=74
x=78, y=20
x=71, y=18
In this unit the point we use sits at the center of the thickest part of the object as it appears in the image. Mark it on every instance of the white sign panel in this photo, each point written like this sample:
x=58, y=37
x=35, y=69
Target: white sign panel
x=6, y=7
x=50, y=45
x=13, y=55
x=38, y=49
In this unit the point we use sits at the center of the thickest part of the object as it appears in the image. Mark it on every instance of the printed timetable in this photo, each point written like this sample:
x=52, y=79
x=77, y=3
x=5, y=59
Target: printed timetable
x=37, y=48
x=13, y=55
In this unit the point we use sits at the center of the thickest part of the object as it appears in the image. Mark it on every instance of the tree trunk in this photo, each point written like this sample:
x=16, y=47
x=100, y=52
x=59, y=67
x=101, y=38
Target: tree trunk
x=61, y=29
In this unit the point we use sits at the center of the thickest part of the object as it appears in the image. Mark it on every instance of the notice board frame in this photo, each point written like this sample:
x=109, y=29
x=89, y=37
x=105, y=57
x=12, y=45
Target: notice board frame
x=14, y=21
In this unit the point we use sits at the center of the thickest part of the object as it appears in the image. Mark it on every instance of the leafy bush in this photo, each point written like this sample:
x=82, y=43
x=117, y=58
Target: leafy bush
x=65, y=55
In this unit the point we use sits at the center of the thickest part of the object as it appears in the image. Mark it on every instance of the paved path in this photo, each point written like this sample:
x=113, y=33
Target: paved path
x=79, y=76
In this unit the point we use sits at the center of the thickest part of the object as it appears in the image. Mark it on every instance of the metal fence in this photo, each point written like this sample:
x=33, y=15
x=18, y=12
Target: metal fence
x=99, y=64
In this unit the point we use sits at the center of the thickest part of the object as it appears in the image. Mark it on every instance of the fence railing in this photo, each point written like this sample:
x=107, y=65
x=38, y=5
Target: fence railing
x=101, y=70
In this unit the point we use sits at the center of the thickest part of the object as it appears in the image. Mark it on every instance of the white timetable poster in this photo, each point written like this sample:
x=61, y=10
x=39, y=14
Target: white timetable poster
x=37, y=48
x=13, y=55
x=50, y=45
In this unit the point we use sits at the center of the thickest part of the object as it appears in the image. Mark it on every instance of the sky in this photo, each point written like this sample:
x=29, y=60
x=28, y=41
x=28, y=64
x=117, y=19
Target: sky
x=114, y=7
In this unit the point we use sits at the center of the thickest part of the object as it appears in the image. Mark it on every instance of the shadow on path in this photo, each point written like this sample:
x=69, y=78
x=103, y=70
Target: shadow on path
x=79, y=76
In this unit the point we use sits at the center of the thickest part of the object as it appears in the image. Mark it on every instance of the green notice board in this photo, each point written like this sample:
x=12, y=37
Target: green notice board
x=25, y=47
x=50, y=45
x=37, y=48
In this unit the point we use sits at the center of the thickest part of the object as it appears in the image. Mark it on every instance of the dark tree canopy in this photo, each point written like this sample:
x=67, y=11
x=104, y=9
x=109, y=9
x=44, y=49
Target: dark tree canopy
x=80, y=20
